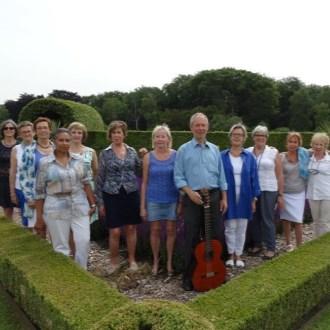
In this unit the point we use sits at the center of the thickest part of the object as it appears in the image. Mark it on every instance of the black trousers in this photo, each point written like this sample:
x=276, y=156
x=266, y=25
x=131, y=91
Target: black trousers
x=193, y=215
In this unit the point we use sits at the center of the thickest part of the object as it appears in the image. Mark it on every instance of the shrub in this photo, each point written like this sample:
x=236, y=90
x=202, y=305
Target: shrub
x=63, y=112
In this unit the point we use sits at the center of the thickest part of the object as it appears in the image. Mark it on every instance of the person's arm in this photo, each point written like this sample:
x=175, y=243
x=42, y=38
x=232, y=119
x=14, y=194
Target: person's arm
x=99, y=184
x=94, y=163
x=280, y=180
x=145, y=173
x=223, y=186
x=12, y=175
x=90, y=197
x=40, y=226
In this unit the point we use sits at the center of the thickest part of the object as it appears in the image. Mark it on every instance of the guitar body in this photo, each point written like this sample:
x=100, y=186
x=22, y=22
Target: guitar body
x=209, y=272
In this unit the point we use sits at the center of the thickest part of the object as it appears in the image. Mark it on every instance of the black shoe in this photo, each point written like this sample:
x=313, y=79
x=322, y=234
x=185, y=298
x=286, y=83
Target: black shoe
x=187, y=286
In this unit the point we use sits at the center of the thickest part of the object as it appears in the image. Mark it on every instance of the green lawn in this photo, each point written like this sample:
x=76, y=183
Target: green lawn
x=321, y=321
x=10, y=317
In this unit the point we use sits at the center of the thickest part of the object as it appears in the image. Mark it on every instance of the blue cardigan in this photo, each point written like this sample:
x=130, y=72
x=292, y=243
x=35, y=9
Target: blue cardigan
x=249, y=186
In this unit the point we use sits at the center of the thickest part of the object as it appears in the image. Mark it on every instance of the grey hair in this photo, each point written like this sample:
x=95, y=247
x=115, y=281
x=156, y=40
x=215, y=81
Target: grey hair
x=197, y=115
x=260, y=129
x=165, y=128
x=241, y=126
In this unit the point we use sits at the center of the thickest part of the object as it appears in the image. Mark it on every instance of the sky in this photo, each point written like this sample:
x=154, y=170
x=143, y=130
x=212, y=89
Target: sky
x=91, y=47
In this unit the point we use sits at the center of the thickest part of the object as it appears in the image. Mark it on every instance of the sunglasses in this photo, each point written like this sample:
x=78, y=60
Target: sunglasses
x=9, y=128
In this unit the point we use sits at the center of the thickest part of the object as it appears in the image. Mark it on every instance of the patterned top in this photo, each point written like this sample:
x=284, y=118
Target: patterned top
x=5, y=159
x=161, y=187
x=55, y=179
x=115, y=173
x=87, y=157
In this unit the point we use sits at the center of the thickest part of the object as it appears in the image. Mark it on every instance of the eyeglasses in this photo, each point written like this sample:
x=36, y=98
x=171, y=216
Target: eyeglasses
x=259, y=135
x=9, y=128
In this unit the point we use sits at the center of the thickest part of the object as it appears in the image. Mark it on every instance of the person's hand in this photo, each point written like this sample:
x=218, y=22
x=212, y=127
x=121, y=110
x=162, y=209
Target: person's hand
x=40, y=227
x=179, y=209
x=195, y=197
x=223, y=206
x=92, y=210
x=102, y=211
x=31, y=204
x=13, y=198
x=280, y=202
x=254, y=206
x=143, y=213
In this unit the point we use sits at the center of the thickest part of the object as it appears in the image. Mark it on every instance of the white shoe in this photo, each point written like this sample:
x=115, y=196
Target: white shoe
x=230, y=263
x=240, y=264
x=289, y=248
x=133, y=267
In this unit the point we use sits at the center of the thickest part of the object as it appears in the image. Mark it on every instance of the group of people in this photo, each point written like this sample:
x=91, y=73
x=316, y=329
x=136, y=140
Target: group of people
x=62, y=186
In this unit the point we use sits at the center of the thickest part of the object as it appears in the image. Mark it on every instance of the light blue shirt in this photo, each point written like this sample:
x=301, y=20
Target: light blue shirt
x=199, y=166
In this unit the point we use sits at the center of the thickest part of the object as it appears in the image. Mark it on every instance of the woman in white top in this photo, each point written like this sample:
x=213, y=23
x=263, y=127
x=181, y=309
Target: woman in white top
x=318, y=187
x=269, y=166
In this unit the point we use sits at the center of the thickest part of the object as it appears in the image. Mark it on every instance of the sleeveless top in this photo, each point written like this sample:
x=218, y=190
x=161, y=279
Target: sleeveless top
x=161, y=187
x=266, y=168
x=293, y=182
x=5, y=159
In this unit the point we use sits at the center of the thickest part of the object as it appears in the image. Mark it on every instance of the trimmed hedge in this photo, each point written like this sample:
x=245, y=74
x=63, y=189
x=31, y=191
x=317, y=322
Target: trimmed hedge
x=275, y=295
x=53, y=291
x=62, y=111
x=138, y=139
x=57, y=294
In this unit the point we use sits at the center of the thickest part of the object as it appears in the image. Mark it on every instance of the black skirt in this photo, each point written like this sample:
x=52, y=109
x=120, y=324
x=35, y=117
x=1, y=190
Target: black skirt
x=5, y=201
x=122, y=209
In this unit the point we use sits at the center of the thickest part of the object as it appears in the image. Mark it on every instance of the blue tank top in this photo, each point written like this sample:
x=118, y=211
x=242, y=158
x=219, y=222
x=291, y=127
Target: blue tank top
x=37, y=157
x=161, y=187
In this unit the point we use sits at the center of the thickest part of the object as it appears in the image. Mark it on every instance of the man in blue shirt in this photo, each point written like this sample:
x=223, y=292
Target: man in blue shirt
x=199, y=166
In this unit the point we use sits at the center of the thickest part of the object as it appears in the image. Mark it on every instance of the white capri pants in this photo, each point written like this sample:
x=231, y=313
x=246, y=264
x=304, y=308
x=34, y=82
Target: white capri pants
x=235, y=232
x=321, y=216
x=62, y=214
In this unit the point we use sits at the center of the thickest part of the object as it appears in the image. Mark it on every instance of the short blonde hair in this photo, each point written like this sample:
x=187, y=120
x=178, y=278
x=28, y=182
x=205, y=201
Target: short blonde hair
x=321, y=138
x=79, y=126
x=117, y=124
x=260, y=129
x=240, y=126
x=164, y=128
x=296, y=135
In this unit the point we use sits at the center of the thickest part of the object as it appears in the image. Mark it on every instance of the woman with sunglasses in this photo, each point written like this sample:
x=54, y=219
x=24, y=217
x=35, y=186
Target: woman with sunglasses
x=8, y=131
x=318, y=187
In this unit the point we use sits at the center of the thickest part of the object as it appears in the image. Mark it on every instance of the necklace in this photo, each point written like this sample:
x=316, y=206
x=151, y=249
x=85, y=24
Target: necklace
x=8, y=145
x=259, y=156
x=44, y=147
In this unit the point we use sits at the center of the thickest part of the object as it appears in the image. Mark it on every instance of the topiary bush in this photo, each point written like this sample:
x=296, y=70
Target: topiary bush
x=63, y=112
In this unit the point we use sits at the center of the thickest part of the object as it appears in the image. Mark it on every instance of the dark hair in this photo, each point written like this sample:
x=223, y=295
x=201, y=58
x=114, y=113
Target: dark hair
x=117, y=124
x=4, y=123
x=60, y=131
x=41, y=119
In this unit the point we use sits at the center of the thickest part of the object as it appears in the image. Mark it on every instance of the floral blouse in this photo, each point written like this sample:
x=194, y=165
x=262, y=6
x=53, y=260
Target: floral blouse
x=115, y=173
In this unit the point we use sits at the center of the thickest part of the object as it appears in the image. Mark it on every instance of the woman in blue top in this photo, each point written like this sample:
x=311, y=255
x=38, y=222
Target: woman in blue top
x=159, y=195
x=243, y=189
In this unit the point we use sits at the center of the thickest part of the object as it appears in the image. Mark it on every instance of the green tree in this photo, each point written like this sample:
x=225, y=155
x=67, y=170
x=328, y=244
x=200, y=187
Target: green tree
x=4, y=114
x=301, y=115
x=321, y=114
x=113, y=109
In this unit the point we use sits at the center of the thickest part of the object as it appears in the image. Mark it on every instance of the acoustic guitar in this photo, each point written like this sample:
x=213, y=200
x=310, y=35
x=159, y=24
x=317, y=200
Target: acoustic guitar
x=210, y=271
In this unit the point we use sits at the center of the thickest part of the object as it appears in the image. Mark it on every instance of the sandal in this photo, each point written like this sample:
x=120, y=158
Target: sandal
x=268, y=255
x=254, y=251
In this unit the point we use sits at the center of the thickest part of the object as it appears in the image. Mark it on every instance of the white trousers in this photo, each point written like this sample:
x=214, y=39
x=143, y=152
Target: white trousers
x=59, y=231
x=321, y=216
x=235, y=231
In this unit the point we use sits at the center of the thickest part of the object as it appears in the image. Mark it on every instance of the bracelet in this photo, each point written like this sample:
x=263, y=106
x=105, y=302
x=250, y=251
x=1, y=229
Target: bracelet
x=92, y=206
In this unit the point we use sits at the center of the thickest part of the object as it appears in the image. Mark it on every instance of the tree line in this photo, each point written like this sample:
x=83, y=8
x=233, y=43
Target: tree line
x=225, y=95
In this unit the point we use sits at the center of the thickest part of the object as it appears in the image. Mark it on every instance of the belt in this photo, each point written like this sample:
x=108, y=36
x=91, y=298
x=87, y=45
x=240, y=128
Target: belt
x=210, y=191
x=63, y=194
